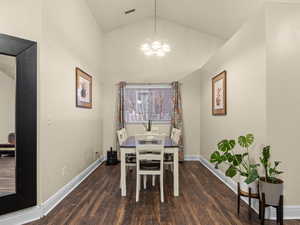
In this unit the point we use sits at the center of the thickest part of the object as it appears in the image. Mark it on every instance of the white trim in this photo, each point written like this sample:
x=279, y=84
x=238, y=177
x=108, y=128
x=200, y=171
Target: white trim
x=148, y=86
x=37, y=212
x=290, y=211
x=22, y=216
x=191, y=158
x=55, y=199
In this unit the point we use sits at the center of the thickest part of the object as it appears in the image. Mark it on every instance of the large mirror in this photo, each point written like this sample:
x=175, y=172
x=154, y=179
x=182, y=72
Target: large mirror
x=18, y=123
x=7, y=125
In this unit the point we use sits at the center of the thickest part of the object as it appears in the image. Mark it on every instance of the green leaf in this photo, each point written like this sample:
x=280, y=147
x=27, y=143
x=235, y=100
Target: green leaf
x=231, y=171
x=226, y=145
x=229, y=157
x=215, y=157
x=252, y=176
x=237, y=160
x=246, y=141
x=266, y=153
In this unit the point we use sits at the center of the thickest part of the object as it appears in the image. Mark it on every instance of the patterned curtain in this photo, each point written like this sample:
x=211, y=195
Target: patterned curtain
x=177, y=117
x=120, y=123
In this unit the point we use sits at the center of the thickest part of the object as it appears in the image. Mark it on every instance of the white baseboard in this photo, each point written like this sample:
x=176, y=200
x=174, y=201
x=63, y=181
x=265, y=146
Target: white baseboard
x=37, y=212
x=22, y=216
x=290, y=211
x=191, y=158
x=55, y=199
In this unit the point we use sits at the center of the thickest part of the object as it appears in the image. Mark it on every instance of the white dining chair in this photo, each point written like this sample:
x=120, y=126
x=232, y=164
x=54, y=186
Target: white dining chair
x=175, y=135
x=122, y=135
x=149, y=160
x=130, y=159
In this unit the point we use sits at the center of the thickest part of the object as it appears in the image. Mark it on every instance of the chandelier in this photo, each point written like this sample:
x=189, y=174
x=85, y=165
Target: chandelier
x=155, y=47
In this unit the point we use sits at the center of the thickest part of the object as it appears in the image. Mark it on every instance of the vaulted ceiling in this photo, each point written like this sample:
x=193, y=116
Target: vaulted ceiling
x=221, y=18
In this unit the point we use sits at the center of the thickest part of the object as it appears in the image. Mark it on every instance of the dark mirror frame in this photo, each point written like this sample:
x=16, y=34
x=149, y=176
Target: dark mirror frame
x=26, y=123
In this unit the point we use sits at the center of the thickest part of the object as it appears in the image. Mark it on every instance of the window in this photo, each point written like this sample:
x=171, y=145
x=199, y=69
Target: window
x=148, y=102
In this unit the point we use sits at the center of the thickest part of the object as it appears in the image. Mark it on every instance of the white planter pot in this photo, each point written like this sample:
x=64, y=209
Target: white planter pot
x=272, y=191
x=245, y=187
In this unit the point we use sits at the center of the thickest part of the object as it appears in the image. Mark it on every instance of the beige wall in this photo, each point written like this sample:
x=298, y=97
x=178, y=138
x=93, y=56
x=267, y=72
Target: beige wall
x=191, y=114
x=7, y=109
x=67, y=36
x=125, y=61
x=23, y=18
x=261, y=61
x=243, y=57
x=69, y=136
x=283, y=109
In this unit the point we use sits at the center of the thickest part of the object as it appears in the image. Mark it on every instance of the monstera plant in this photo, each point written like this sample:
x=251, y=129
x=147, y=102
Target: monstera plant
x=238, y=162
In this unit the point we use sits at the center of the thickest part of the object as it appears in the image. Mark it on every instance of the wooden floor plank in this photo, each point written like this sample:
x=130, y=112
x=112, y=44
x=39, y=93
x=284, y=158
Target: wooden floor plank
x=203, y=200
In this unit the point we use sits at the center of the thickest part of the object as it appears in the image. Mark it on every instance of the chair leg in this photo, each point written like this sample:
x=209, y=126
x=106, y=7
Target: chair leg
x=145, y=181
x=161, y=188
x=153, y=180
x=138, y=185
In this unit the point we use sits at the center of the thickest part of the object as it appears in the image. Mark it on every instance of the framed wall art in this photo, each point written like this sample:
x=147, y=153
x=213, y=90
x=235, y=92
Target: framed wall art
x=83, y=89
x=219, y=94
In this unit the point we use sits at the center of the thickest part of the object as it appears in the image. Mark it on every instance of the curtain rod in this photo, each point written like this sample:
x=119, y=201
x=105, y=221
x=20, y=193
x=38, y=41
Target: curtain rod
x=132, y=83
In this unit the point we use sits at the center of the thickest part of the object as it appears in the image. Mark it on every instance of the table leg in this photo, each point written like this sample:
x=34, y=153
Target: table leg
x=123, y=173
x=176, y=174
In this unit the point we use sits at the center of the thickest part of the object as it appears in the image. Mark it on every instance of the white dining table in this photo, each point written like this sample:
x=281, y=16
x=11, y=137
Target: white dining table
x=128, y=147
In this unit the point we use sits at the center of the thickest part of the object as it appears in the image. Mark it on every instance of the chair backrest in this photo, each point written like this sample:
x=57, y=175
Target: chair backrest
x=149, y=148
x=122, y=135
x=175, y=135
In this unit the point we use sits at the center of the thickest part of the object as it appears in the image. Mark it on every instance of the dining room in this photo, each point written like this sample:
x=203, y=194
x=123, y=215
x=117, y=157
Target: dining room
x=159, y=112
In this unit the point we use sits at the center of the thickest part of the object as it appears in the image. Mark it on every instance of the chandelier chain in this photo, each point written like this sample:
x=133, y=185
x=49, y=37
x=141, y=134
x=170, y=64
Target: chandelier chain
x=155, y=17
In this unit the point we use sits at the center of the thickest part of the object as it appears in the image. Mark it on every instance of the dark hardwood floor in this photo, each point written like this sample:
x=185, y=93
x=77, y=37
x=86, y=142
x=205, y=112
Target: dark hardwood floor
x=7, y=175
x=204, y=200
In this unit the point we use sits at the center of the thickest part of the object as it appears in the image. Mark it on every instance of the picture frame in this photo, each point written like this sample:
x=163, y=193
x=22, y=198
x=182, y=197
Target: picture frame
x=219, y=94
x=84, y=92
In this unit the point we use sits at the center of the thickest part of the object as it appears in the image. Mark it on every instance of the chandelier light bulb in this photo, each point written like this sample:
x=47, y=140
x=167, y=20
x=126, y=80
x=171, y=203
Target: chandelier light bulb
x=145, y=47
x=166, y=48
x=155, y=47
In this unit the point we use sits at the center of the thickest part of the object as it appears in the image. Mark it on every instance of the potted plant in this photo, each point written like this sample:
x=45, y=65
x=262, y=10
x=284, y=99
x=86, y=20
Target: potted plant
x=270, y=184
x=238, y=162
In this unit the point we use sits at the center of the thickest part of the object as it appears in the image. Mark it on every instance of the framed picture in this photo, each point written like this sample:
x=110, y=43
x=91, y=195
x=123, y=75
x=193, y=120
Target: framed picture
x=219, y=98
x=83, y=89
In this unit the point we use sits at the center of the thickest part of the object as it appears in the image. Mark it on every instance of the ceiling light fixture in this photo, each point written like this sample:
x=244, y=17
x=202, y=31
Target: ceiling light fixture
x=155, y=47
